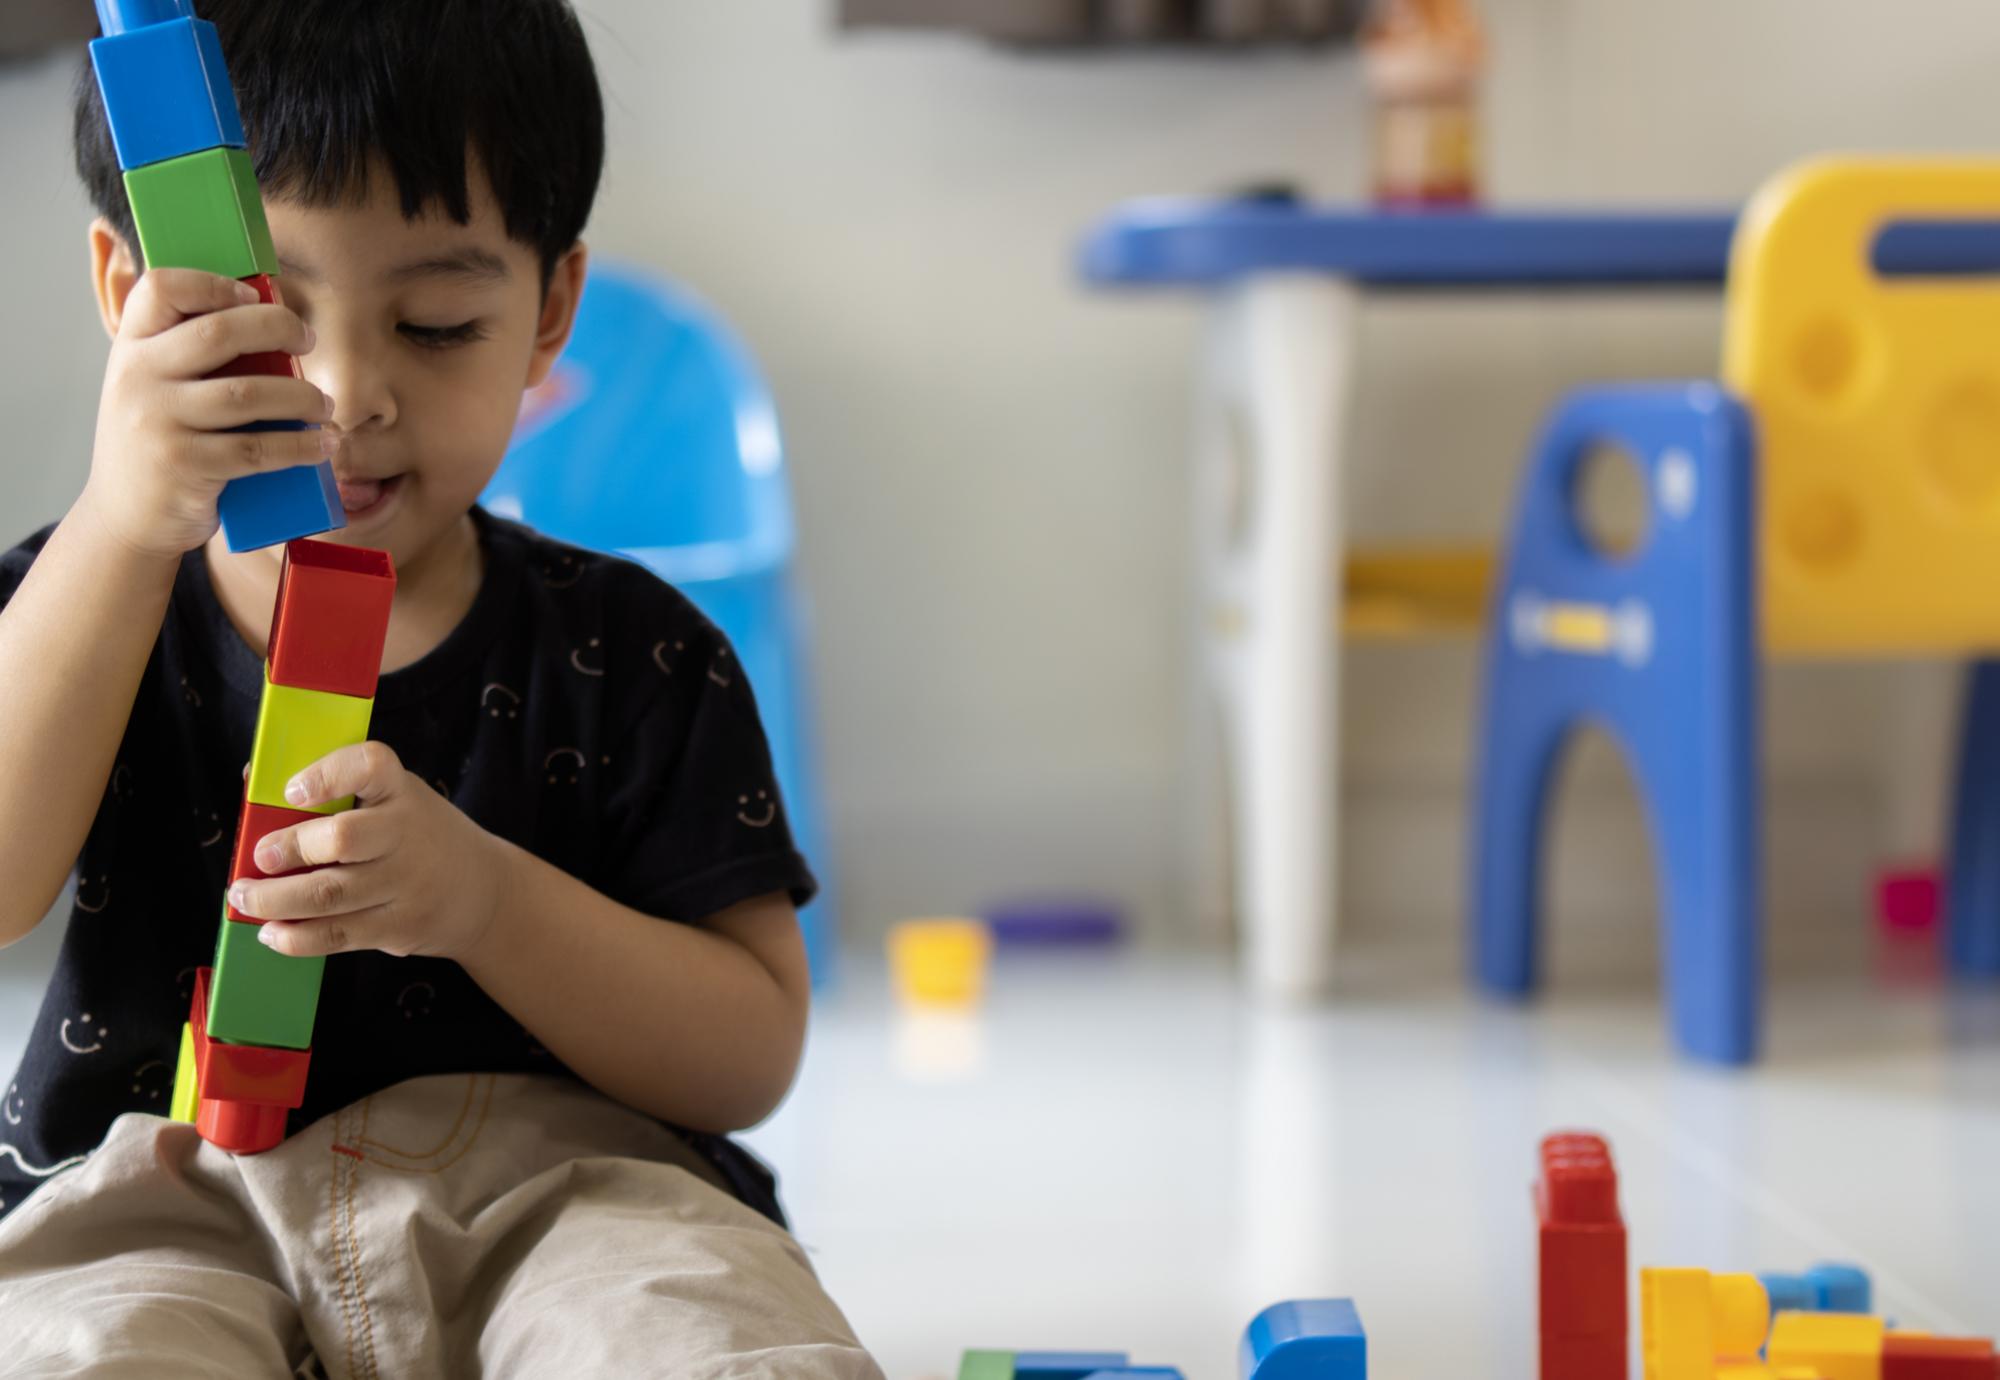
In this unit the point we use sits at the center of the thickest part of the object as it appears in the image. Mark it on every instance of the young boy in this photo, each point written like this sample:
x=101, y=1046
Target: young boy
x=565, y=958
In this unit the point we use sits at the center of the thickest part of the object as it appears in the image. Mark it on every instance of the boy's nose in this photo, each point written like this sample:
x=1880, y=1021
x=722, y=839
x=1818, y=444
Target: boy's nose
x=363, y=399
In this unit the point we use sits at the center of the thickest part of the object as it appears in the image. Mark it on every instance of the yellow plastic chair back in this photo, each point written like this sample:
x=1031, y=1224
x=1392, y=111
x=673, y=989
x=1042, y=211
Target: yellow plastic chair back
x=1877, y=406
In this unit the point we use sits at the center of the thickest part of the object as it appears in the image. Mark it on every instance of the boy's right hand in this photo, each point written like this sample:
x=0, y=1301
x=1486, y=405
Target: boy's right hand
x=164, y=449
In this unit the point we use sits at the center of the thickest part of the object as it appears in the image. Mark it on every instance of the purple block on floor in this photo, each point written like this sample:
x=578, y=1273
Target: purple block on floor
x=1056, y=921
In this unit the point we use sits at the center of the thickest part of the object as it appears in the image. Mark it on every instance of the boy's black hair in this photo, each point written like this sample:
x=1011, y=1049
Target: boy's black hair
x=327, y=86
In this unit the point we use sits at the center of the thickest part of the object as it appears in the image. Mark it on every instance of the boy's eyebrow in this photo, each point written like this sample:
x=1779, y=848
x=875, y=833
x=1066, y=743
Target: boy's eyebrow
x=468, y=262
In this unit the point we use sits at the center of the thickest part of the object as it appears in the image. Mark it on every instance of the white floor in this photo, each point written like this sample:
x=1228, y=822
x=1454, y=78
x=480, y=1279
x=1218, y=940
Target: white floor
x=1121, y=1153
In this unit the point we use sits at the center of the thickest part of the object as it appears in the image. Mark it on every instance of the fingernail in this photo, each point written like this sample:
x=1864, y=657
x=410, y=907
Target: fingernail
x=247, y=294
x=311, y=340
x=295, y=790
x=326, y=405
x=265, y=937
x=266, y=856
x=239, y=899
x=329, y=444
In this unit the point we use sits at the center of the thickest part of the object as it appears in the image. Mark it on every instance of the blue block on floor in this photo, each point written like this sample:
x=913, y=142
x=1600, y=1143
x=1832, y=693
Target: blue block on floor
x=121, y=16
x=1825, y=1288
x=261, y=510
x=166, y=92
x=1066, y=1365
x=1305, y=1339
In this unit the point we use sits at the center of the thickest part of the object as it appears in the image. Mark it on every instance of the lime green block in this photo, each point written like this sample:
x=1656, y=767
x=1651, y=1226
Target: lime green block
x=987, y=1365
x=202, y=211
x=259, y=996
x=295, y=728
x=186, y=1094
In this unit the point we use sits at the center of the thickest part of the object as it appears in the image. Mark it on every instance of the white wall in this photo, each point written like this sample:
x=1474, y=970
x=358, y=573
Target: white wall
x=990, y=461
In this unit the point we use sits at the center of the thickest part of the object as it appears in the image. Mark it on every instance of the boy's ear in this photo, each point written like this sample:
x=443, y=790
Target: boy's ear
x=558, y=317
x=113, y=273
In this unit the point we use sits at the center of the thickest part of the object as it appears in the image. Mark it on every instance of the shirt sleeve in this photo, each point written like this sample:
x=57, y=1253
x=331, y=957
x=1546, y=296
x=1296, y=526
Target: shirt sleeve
x=696, y=822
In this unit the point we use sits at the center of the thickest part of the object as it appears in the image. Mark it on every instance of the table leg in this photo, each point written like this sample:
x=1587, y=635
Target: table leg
x=1269, y=549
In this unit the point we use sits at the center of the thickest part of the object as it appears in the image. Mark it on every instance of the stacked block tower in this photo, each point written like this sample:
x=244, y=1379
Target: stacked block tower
x=195, y=204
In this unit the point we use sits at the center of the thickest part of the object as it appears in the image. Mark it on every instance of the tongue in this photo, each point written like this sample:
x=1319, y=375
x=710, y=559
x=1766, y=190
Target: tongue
x=356, y=494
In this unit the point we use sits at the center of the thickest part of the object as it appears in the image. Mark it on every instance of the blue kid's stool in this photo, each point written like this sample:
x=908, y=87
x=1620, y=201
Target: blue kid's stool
x=655, y=438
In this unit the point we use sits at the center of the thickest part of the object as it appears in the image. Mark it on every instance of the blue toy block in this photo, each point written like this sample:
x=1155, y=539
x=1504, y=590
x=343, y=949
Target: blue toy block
x=278, y=505
x=123, y=16
x=1822, y=1289
x=1305, y=1339
x=1137, y=1373
x=1972, y=888
x=166, y=92
x=1660, y=648
x=1066, y=1365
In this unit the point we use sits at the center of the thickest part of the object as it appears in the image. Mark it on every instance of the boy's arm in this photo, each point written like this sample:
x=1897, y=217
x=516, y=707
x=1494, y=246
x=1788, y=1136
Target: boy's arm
x=74, y=641
x=698, y=1025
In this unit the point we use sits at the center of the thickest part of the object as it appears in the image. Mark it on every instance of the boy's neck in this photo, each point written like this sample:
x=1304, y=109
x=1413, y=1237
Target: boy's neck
x=434, y=591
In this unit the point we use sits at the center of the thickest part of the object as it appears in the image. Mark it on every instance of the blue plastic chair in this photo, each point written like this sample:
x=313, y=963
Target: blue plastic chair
x=1660, y=649
x=656, y=439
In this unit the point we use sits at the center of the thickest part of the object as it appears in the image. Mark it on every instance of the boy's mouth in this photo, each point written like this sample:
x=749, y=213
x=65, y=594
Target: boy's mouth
x=360, y=496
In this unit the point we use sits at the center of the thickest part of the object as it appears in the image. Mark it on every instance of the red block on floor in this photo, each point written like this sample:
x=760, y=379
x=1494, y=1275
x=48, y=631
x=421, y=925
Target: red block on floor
x=332, y=618
x=274, y=363
x=1582, y=1260
x=244, y=1074
x=251, y=826
x=1938, y=1358
x=1908, y=900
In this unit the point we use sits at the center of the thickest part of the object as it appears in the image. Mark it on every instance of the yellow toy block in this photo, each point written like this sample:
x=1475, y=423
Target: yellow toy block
x=1692, y=1323
x=295, y=728
x=187, y=1095
x=1878, y=411
x=940, y=962
x=1836, y=1346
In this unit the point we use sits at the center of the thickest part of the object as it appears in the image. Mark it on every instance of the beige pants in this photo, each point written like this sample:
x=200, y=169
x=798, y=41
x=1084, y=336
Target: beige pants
x=465, y=1225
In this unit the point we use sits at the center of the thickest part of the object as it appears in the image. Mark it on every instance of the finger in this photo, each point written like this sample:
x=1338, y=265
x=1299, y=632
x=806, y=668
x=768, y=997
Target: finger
x=370, y=772
x=232, y=453
x=165, y=297
x=334, y=935
x=200, y=345
x=352, y=836
x=219, y=404
x=310, y=895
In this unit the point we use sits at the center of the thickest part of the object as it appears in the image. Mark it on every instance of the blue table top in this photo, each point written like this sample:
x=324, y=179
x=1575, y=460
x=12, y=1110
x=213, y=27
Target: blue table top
x=1190, y=243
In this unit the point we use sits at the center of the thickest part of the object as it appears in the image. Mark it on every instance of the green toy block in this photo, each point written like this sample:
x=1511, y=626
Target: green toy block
x=202, y=211
x=259, y=996
x=187, y=1092
x=295, y=728
x=986, y=1365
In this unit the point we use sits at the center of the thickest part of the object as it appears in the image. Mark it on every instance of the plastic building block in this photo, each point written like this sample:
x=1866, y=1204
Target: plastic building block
x=1055, y=922
x=1825, y=1288
x=1911, y=1356
x=260, y=510
x=1692, y=1322
x=252, y=825
x=269, y=363
x=202, y=210
x=260, y=997
x=940, y=962
x=1066, y=1365
x=122, y=16
x=1581, y=1249
x=295, y=728
x=1908, y=900
x=243, y=1073
x=1839, y=1346
x=986, y=1365
x=1305, y=1339
x=1136, y=1373
x=331, y=619
x=244, y=1128
x=166, y=92
x=187, y=1086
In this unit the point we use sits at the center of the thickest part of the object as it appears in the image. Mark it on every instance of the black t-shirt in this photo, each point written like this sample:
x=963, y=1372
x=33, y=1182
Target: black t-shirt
x=583, y=709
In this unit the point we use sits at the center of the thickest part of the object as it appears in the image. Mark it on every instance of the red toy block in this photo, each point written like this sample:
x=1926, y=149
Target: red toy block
x=1908, y=1357
x=1582, y=1260
x=255, y=822
x=246, y=1074
x=242, y=1128
x=273, y=363
x=332, y=618
x=1908, y=900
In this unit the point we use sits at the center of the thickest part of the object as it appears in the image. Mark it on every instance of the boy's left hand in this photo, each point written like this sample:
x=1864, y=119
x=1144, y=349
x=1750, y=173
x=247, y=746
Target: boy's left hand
x=405, y=871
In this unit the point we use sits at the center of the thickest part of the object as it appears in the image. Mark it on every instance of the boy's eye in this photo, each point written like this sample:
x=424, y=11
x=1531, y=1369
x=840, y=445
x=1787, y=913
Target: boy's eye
x=437, y=337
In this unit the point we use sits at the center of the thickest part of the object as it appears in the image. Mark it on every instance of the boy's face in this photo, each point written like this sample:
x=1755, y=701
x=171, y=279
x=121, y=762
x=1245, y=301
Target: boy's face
x=427, y=332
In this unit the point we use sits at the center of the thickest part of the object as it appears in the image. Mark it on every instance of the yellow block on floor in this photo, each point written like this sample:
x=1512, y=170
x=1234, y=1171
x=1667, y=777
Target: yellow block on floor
x=1837, y=1346
x=940, y=962
x=1401, y=593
